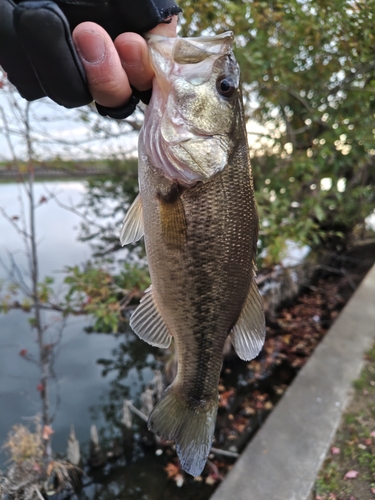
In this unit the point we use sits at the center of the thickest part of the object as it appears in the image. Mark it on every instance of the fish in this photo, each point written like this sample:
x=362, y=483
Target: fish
x=197, y=213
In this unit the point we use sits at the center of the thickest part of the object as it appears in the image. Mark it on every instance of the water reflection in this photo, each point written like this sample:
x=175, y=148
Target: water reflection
x=95, y=372
x=80, y=378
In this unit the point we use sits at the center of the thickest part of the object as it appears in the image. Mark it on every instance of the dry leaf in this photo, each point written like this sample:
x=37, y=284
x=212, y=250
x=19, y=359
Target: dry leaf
x=351, y=474
x=224, y=398
x=47, y=431
x=268, y=405
x=172, y=470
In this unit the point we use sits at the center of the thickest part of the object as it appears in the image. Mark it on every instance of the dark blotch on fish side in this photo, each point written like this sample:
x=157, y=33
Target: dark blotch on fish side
x=172, y=216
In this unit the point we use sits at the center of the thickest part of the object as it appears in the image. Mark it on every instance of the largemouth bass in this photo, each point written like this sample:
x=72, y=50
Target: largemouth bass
x=197, y=212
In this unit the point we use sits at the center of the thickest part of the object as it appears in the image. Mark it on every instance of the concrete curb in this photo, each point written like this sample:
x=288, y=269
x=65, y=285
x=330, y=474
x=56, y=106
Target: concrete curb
x=283, y=459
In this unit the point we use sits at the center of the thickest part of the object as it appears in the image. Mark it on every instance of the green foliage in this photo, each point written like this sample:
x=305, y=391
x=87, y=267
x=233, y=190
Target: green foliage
x=8, y=294
x=106, y=297
x=45, y=289
x=308, y=72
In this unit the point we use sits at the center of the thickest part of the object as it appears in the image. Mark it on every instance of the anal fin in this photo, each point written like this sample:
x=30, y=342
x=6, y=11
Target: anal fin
x=248, y=334
x=148, y=324
x=132, y=229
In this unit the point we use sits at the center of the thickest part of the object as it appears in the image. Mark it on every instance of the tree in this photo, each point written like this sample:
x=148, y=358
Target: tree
x=90, y=289
x=308, y=72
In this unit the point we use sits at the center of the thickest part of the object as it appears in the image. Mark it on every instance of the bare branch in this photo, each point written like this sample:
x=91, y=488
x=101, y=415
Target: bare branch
x=73, y=209
x=136, y=411
x=11, y=221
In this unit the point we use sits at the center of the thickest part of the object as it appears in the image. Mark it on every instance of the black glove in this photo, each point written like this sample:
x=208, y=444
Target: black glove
x=38, y=54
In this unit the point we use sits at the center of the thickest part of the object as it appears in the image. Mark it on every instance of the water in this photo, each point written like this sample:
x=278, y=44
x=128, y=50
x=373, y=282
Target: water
x=95, y=372
x=56, y=228
x=83, y=390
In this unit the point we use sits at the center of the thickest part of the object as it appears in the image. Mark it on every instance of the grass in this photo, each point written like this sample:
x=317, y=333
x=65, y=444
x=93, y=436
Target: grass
x=354, y=446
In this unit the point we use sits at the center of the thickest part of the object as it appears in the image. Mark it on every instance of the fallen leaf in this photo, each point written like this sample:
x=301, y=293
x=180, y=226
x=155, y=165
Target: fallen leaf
x=172, y=470
x=335, y=450
x=362, y=446
x=224, y=398
x=351, y=474
x=249, y=411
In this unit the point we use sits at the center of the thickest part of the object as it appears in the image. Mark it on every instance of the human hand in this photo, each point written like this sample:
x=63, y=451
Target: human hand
x=112, y=68
x=38, y=54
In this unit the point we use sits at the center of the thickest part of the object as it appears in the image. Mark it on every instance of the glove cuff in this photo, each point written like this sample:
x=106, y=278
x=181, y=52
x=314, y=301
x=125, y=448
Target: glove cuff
x=121, y=112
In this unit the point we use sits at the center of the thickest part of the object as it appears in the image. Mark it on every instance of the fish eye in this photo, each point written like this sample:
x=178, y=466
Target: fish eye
x=225, y=86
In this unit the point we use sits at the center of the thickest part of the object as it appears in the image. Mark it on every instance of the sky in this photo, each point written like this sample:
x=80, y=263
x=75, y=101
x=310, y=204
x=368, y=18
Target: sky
x=59, y=132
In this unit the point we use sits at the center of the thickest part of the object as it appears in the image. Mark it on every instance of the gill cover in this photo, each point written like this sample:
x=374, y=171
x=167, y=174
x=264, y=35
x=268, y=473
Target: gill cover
x=189, y=122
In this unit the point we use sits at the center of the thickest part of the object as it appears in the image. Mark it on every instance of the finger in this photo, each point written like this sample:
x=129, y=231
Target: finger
x=133, y=53
x=134, y=56
x=106, y=77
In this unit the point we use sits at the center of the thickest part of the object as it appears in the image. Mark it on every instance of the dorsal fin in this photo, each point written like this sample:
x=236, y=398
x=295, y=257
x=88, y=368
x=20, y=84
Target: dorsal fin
x=248, y=334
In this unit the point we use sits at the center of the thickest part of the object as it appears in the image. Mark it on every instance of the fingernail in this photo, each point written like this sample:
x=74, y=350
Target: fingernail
x=91, y=47
x=133, y=55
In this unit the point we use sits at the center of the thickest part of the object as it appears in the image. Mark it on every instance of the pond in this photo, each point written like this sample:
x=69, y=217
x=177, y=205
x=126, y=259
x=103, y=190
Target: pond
x=96, y=372
x=82, y=388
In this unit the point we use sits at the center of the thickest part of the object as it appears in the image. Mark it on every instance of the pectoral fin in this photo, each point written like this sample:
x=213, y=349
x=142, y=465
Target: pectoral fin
x=132, y=229
x=172, y=218
x=247, y=335
x=147, y=323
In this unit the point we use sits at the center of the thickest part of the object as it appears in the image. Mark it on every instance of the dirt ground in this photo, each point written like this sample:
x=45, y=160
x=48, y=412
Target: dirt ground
x=348, y=472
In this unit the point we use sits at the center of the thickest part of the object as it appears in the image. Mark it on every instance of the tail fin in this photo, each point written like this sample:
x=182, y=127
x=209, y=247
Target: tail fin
x=191, y=428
